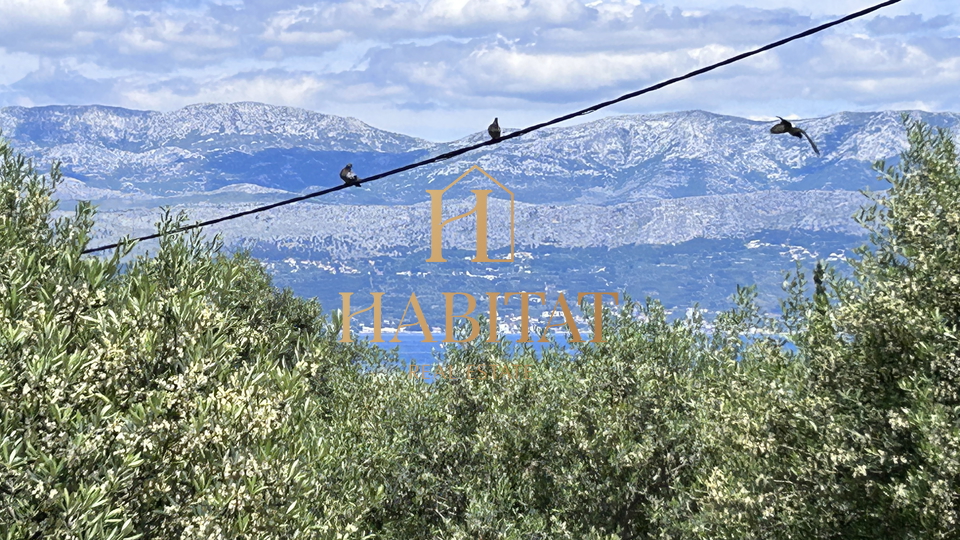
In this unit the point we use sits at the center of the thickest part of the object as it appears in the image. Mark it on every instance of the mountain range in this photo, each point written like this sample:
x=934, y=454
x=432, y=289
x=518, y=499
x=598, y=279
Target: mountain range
x=617, y=159
x=613, y=184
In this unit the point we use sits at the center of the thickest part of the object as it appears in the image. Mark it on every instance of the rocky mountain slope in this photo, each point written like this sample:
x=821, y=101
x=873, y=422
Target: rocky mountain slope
x=679, y=206
x=607, y=161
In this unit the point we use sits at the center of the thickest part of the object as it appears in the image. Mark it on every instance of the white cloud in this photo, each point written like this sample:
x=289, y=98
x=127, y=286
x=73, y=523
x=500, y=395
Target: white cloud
x=15, y=66
x=506, y=71
x=261, y=87
x=58, y=14
x=55, y=26
x=391, y=62
x=470, y=12
x=850, y=55
x=823, y=7
x=166, y=41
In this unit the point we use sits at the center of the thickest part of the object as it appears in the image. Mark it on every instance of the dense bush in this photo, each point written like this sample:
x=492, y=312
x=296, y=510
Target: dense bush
x=179, y=395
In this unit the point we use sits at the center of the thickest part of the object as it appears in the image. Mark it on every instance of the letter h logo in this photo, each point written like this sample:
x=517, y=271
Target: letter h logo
x=480, y=210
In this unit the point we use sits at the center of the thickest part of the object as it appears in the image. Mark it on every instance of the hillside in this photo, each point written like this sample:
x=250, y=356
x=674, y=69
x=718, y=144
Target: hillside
x=181, y=395
x=612, y=183
x=608, y=161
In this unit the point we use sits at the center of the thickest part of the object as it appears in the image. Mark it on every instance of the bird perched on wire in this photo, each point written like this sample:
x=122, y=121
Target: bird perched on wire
x=786, y=127
x=494, y=130
x=348, y=176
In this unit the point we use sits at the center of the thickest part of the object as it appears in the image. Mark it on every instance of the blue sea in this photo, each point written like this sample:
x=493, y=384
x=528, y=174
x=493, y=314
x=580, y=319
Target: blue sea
x=412, y=348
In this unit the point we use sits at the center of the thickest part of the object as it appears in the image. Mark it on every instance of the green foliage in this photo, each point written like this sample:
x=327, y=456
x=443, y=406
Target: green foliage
x=891, y=365
x=180, y=395
x=156, y=402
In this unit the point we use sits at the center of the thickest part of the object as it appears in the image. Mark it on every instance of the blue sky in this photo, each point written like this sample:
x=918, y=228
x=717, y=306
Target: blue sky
x=442, y=69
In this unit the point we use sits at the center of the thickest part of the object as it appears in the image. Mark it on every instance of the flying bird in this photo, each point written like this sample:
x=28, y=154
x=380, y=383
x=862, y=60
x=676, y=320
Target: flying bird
x=494, y=130
x=786, y=127
x=348, y=176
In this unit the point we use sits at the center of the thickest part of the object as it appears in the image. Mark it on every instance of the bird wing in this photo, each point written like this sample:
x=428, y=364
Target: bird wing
x=815, y=149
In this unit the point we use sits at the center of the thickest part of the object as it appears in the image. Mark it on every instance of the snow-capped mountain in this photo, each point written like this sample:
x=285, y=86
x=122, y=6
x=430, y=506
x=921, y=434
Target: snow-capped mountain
x=680, y=206
x=690, y=153
x=184, y=150
x=243, y=126
x=613, y=160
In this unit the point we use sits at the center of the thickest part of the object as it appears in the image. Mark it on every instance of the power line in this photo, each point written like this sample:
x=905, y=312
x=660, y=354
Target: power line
x=519, y=133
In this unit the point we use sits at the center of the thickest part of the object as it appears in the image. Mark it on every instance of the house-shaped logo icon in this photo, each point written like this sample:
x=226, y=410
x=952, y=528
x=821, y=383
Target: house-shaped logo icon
x=479, y=210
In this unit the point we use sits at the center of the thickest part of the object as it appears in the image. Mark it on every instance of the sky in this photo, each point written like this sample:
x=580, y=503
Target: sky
x=442, y=69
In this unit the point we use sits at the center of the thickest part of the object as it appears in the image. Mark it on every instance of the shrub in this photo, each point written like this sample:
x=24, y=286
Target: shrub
x=180, y=395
